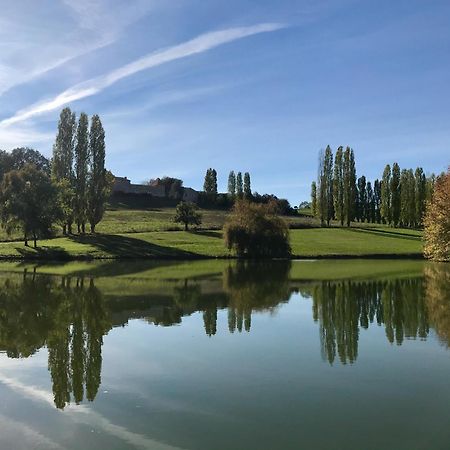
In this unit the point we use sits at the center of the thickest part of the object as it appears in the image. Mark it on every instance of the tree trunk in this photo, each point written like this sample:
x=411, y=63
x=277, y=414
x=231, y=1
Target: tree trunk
x=69, y=228
x=34, y=240
x=185, y=226
x=83, y=228
x=64, y=230
x=79, y=228
x=26, y=240
x=92, y=228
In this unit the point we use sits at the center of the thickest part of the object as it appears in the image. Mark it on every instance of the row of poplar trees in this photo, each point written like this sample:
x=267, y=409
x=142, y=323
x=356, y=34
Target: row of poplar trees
x=78, y=168
x=399, y=198
x=239, y=186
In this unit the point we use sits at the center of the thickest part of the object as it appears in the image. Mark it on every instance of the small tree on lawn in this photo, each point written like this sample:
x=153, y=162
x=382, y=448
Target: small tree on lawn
x=187, y=213
x=255, y=230
x=29, y=203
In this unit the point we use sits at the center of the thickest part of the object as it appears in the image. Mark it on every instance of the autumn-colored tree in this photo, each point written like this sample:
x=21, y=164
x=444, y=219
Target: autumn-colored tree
x=437, y=221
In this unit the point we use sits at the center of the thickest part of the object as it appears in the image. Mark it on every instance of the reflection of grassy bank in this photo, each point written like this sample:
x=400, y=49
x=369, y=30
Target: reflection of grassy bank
x=166, y=271
x=314, y=242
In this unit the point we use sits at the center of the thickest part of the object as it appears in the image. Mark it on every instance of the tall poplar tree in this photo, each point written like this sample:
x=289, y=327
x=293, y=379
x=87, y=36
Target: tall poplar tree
x=328, y=171
x=239, y=185
x=421, y=188
x=247, y=186
x=370, y=195
x=386, y=199
x=98, y=186
x=314, y=198
x=338, y=186
x=62, y=165
x=232, y=184
x=81, y=172
x=377, y=200
x=362, y=199
x=395, y=194
x=210, y=184
x=349, y=185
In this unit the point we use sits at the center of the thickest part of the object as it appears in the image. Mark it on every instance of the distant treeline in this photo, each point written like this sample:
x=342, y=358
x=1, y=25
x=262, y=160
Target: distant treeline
x=398, y=198
x=239, y=187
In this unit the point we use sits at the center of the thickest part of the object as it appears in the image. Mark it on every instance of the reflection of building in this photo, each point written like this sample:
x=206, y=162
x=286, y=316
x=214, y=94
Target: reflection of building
x=123, y=185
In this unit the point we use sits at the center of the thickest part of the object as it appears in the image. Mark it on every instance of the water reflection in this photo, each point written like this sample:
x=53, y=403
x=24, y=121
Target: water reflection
x=71, y=315
x=342, y=308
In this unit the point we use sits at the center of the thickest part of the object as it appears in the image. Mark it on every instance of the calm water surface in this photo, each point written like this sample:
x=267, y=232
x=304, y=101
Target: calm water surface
x=217, y=355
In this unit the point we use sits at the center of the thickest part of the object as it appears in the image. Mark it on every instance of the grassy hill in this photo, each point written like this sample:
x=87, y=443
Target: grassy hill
x=135, y=234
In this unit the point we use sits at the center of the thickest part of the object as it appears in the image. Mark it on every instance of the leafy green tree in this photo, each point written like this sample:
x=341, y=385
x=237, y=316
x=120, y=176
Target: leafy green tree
x=314, y=198
x=431, y=181
x=210, y=184
x=232, y=184
x=239, y=185
x=349, y=185
x=29, y=203
x=386, y=197
x=98, y=187
x=437, y=221
x=395, y=194
x=338, y=186
x=377, y=200
x=187, y=213
x=325, y=186
x=63, y=149
x=421, y=191
x=247, y=186
x=22, y=156
x=81, y=172
x=66, y=199
x=62, y=162
x=255, y=230
x=407, y=198
x=370, y=213
x=362, y=199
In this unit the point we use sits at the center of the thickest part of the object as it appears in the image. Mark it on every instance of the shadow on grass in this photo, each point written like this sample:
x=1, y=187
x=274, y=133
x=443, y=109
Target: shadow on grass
x=127, y=247
x=208, y=233
x=386, y=233
x=44, y=252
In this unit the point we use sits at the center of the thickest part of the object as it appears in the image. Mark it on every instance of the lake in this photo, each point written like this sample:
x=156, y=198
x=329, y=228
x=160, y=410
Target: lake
x=345, y=354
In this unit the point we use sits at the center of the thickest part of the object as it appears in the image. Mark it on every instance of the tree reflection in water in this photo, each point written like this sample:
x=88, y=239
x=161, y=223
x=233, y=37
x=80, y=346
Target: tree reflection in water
x=70, y=315
x=343, y=307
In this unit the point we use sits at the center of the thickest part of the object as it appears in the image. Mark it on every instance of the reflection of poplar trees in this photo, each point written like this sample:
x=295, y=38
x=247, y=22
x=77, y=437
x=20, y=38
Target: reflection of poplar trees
x=69, y=318
x=343, y=307
x=75, y=344
x=437, y=288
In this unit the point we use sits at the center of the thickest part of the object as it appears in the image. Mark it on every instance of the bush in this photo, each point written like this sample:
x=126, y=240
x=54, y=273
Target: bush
x=254, y=231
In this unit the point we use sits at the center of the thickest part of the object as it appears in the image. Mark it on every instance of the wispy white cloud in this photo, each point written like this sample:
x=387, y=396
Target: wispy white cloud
x=93, y=86
x=29, y=50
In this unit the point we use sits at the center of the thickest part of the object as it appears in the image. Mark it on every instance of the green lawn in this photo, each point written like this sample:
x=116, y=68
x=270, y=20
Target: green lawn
x=309, y=242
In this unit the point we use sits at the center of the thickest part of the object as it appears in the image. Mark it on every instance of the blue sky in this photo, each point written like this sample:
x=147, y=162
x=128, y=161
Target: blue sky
x=258, y=86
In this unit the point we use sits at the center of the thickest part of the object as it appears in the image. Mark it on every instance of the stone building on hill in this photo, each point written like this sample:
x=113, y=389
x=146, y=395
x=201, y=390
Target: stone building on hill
x=122, y=185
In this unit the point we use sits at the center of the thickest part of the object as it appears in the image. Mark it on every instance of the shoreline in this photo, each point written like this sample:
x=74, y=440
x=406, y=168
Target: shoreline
x=67, y=258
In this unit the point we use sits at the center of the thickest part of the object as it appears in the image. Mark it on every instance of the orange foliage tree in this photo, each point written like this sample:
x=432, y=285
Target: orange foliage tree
x=437, y=221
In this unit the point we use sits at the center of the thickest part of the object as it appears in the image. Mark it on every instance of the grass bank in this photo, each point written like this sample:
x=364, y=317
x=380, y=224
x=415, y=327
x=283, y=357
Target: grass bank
x=367, y=241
